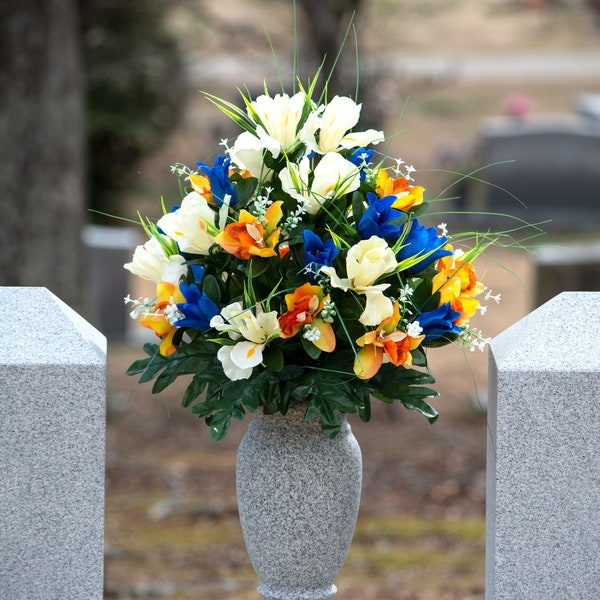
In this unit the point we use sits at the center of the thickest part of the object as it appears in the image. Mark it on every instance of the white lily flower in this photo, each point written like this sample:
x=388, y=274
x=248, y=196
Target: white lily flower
x=365, y=263
x=247, y=354
x=150, y=262
x=333, y=126
x=230, y=367
x=261, y=328
x=378, y=306
x=248, y=153
x=192, y=225
x=239, y=360
x=279, y=116
x=368, y=260
x=333, y=176
x=231, y=319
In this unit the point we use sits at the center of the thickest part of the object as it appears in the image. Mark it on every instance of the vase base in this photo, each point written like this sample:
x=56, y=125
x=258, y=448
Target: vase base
x=271, y=592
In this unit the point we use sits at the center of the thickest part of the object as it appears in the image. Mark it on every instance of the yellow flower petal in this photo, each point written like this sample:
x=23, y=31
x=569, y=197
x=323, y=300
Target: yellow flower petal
x=326, y=341
x=367, y=361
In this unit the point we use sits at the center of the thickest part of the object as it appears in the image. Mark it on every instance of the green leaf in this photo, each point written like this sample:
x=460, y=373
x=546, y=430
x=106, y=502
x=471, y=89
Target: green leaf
x=381, y=397
x=313, y=410
x=273, y=359
x=358, y=206
x=193, y=390
x=163, y=381
x=211, y=287
x=244, y=186
x=421, y=406
x=219, y=424
x=310, y=348
x=364, y=411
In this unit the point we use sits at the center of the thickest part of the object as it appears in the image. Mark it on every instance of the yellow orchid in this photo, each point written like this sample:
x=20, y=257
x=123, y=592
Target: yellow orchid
x=303, y=305
x=168, y=295
x=457, y=283
x=250, y=237
x=386, y=343
x=201, y=185
x=407, y=195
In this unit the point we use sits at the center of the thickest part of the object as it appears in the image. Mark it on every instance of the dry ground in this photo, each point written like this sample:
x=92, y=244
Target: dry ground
x=171, y=523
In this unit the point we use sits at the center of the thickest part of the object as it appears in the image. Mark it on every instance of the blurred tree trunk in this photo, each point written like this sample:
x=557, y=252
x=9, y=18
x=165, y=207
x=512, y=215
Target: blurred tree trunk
x=327, y=22
x=42, y=148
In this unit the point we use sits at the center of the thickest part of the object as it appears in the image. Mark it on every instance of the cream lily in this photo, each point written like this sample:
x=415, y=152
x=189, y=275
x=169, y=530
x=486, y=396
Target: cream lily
x=150, y=262
x=257, y=330
x=333, y=123
x=333, y=177
x=247, y=153
x=192, y=225
x=278, y=119
x=365, y=263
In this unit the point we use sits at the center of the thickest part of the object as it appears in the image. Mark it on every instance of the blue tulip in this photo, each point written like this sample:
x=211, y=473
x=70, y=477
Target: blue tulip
x=220, y=184
x=439, y=322
x=378, y=219
x=198, y=309
x=317, y=253
x=420, y=241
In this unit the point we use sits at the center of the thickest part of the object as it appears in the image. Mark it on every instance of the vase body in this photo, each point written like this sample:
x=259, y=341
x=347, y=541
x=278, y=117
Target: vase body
x=298, y=498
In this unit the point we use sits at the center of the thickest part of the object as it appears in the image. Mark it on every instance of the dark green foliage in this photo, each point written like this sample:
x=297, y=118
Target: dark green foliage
x=134, y=89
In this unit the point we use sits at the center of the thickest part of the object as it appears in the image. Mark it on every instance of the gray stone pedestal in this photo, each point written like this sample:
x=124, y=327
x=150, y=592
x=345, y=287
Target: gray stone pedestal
x=543, y=496
x=52, y=431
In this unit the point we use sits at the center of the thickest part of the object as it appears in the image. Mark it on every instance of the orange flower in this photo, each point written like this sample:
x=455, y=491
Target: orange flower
x=457, y=283
x=167, y=294
x=407, y=195
x=201, y=185
x=303, y=306
x=384, y=343
x=250, y=237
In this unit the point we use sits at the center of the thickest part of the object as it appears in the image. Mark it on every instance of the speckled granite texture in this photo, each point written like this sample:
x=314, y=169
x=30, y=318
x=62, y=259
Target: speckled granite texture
x=52, y=432
x=543, y=497
x=298, y=497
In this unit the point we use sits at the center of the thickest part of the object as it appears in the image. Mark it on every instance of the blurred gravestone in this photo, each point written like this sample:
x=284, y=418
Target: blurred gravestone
x=52, y=432
x=551, y=165
x=588, y=105
x=566, y=267
x=108, y=249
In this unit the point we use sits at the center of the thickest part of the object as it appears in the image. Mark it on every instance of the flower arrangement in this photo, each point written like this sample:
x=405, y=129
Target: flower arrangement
x=297, y=268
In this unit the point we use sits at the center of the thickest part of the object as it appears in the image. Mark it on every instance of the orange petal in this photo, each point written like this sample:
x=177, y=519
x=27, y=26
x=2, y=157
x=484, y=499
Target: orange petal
x=326, y=341
x=166, y=346
x=367, y=361
x=398, y=352
x=273, y=215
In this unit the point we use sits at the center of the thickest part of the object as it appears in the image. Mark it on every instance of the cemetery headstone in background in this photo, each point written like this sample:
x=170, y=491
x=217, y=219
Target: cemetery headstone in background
x=550, y=164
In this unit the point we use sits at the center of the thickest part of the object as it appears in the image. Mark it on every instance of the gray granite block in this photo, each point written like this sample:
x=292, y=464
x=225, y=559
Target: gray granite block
x=52, y=433
x=543, y=495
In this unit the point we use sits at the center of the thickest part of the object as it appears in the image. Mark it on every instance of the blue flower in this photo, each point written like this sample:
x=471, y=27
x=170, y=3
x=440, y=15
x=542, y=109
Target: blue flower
x=198, y=309
x=361, y=159
x=317, y=253
x=220, y=184
x=378, y=219
x=439, y=322
x=420, y=241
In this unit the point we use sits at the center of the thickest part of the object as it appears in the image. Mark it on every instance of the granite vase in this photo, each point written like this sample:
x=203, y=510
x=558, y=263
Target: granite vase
x=298, y=498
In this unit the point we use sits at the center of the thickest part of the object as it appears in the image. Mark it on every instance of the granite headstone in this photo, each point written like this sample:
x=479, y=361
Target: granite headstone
x=543, y=470
x=52, y=448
